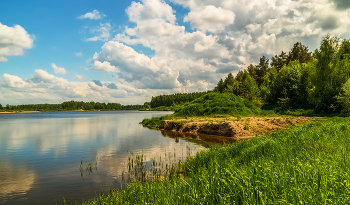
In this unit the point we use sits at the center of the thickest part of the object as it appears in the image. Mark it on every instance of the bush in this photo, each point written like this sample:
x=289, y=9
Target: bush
x=218, y=104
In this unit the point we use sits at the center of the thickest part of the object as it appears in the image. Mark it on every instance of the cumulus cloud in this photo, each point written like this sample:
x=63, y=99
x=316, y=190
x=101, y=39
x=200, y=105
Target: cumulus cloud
x=58, y=69
x=13, y=81
x=342, y=4
x=112, y=86
x=97, y=82
x=13, y=40
x=92, y=15
x=44, y=87
x=105, y=66
x=102, y=31
x=210, y=18
x=227, y=36
x=239, y=34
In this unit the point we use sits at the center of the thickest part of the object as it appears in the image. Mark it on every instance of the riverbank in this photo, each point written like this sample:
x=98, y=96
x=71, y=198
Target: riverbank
x=229, y=127
x=20, y=112
x=306, y=164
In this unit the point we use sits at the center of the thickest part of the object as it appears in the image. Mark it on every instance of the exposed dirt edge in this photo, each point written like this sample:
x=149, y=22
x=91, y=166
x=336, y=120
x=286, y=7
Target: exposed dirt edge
x=242, y=129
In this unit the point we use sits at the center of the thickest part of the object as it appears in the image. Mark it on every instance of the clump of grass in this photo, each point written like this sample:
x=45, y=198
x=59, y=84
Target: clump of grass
x=155, y=122
x=308, y=164
x=166, y=165
x=88, y=166
x=246, y=126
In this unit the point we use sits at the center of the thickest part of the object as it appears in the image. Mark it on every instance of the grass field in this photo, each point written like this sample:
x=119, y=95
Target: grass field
x=306, y=164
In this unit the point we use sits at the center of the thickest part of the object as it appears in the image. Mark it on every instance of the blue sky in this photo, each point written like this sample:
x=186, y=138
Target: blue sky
x=129, y=51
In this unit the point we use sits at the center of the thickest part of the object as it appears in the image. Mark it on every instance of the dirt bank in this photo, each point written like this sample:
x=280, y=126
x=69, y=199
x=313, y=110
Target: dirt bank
x=233, y=128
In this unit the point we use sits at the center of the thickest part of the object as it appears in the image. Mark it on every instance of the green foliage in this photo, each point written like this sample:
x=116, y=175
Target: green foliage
x=332, y=70
x=278, y=61
x=308, y=164
x=263, y=68
x=229, y=81
x=220, y=86
x=243, y=85
x=216, y=104
x=300, y=53
x=154, y=122
x=174, y=99
x=344, y=98
x=288, y=87
x=268, y=88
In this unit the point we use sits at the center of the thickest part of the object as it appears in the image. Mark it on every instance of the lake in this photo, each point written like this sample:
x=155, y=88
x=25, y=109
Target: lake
x=47, y=156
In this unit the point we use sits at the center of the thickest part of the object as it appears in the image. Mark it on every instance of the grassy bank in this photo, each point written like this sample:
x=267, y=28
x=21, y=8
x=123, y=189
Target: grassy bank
x=307, y=164
x=210, y=105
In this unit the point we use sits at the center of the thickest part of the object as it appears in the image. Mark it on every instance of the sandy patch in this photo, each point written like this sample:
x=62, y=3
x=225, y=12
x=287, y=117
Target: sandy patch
x=238, y=128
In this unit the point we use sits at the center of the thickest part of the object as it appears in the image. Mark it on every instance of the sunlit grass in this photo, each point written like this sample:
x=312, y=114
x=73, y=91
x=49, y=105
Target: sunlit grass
x=307, y=164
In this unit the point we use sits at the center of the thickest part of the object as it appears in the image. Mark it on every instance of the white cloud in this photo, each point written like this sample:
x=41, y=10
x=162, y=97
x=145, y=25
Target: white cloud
x=13, y=40
x=102, y=31
x=41, y=88
x=228, y=36
x=12, y=81
x=58, y=69
x=210, y=18
x=79, y=54
x=241, y=32
x=150, y=9
x=105, y=66
x=92, y=15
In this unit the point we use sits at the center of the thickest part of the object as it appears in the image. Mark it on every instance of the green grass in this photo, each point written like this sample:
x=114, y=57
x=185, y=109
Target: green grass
x=155, y=121
x=308, y=164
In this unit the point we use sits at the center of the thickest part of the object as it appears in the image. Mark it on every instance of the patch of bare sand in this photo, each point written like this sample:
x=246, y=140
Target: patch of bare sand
x=238, y=128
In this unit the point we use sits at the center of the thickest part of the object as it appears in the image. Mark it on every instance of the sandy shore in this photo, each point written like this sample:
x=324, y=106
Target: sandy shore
x=20, y=112
x=242, y=128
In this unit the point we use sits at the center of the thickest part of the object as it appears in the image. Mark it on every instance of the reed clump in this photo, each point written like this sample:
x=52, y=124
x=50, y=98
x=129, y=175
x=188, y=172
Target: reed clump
x=166, y=165
x=308, y=164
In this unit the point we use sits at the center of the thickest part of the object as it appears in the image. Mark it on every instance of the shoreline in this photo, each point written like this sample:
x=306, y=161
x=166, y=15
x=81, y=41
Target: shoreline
x=81, y=111
x=233, y=128
x=21, y=112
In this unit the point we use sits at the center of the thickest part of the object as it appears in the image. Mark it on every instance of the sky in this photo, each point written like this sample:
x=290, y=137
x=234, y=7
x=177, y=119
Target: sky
x=128, y=51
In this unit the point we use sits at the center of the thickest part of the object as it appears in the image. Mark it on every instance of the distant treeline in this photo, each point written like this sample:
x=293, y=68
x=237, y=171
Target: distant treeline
x=174, y=99
x=299, y=79
x=71, y=105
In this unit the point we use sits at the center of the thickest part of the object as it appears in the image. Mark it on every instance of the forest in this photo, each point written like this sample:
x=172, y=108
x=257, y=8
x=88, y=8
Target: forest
x=69, y=105
x=297, y=80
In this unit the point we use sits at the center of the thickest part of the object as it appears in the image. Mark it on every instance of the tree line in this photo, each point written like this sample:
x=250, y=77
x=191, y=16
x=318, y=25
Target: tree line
x=173, y=99
x=69, y=105
x=299, y=79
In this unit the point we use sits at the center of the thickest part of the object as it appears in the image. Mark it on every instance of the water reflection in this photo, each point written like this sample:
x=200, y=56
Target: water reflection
x=115, y=163
x=44, y=132
x=15, y=179
x=202, y=139
x=43, y=153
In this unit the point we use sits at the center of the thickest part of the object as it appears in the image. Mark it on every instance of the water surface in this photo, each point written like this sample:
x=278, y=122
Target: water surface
x=41, y=153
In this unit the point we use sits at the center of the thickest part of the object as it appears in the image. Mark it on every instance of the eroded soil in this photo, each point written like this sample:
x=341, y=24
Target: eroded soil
x=238, y=128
